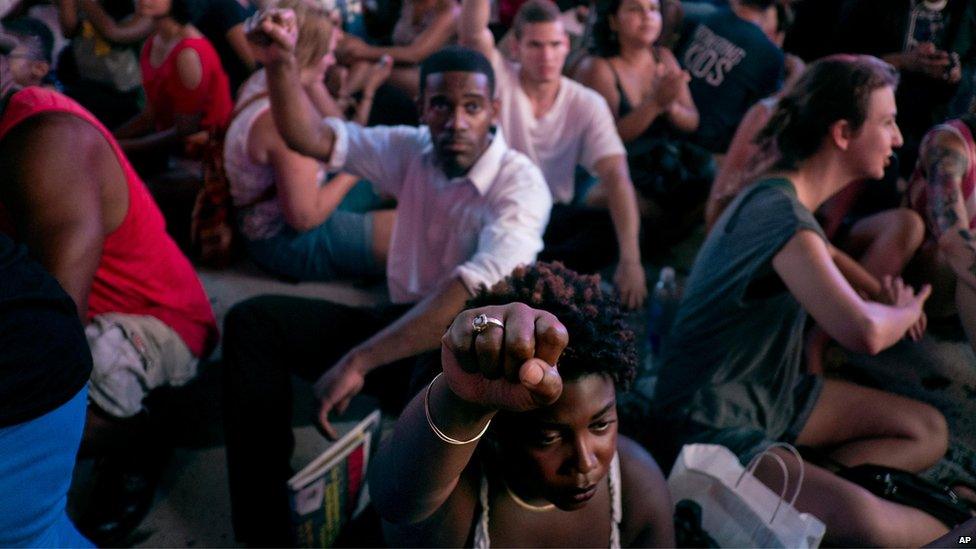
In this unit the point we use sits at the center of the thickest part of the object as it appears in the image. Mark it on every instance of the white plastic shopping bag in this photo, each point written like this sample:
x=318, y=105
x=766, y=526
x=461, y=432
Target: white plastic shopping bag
x=738, y=510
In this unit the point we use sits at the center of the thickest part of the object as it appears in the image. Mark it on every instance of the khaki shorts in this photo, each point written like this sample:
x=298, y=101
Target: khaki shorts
x=132, y=355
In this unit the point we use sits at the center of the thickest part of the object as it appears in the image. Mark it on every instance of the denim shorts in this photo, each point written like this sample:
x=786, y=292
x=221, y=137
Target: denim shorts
x=341, y=247
x=745, y=441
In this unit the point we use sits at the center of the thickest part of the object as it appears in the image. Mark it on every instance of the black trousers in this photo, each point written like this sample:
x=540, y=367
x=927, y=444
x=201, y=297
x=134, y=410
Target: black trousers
x=266, y=340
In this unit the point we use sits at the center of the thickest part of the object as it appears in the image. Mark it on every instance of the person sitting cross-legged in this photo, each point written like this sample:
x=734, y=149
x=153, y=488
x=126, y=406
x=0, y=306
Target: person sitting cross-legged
x=731, y=367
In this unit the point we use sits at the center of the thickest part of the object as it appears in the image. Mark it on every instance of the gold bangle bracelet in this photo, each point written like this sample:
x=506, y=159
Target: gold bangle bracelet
x=440, y=434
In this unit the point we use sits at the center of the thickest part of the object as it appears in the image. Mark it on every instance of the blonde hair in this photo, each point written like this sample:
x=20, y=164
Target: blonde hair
x=314, y=30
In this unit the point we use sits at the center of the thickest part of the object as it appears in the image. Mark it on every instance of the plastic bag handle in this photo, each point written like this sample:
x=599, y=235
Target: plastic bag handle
x=799, y=459
x=754, y=463
x=786, y=477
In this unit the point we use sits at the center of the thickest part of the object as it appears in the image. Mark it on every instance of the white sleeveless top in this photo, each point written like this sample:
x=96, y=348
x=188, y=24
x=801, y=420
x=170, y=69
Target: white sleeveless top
x=248, y=179
x=483, y=541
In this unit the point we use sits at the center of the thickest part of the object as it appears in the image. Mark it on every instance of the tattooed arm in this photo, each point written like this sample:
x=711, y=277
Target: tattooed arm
x=945, y=163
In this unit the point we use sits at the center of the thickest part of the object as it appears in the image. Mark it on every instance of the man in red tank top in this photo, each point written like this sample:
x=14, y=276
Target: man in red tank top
x=71, y=196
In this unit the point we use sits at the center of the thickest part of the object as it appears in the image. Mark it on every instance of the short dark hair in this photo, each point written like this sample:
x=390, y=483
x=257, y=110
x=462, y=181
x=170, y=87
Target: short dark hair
x=834, y=88
x=604, y=39
x=534, y=11
x=35, y=35
x=457, y=59
x=599, y=340
x=184, y=12
x=785, y=16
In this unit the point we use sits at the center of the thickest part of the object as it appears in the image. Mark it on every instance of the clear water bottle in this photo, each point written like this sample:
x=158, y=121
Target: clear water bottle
x=664, y=305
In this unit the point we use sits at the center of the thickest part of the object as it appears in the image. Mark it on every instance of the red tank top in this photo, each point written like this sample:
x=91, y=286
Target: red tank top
x=168, y=97
x=141, y=270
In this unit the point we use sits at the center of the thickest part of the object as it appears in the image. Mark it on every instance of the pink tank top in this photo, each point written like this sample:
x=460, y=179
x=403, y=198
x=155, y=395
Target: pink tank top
x=141, y=271
x=917, y=195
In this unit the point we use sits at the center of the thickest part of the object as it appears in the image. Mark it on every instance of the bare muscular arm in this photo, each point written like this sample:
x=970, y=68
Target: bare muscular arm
x=55, y=167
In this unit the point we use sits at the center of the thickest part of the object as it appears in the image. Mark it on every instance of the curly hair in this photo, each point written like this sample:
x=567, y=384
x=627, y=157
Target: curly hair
x=184, y=12
x=599, y=340
x=603, y=39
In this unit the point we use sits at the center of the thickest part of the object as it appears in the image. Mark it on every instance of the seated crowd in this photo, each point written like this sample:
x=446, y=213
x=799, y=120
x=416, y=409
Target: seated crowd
x=490, y=172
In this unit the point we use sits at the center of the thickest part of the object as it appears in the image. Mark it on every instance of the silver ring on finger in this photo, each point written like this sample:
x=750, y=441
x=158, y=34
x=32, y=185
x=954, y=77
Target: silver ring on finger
x=483, y=321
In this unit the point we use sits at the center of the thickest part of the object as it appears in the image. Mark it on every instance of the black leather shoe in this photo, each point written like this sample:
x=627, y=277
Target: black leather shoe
x=121, y=497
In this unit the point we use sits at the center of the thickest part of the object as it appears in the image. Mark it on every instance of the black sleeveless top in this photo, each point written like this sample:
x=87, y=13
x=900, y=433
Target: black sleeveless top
x=659, y=129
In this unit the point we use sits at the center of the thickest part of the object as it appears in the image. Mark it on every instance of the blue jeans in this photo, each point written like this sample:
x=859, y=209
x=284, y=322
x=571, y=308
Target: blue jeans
x=341, y=247
x=36, y=461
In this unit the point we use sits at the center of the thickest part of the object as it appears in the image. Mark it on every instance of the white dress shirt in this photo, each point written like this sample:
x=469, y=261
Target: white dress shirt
x=478, y=227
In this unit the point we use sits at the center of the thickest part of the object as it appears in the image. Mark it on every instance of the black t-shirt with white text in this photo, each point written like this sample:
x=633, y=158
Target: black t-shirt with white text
x=732, y=66
x=214, y=18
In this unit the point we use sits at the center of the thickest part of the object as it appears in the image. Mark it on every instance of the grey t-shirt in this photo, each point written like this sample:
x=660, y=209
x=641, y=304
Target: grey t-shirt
x=734, y=354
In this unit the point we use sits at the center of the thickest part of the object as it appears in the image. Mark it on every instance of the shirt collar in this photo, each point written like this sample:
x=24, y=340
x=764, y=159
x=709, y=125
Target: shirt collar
x=486, y=168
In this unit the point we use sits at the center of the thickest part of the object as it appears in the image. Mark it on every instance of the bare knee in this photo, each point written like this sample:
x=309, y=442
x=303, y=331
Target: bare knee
x=930, y=431
x=909, y=230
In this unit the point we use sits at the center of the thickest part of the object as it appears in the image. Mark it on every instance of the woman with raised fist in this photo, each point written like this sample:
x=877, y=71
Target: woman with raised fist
x=515, y=443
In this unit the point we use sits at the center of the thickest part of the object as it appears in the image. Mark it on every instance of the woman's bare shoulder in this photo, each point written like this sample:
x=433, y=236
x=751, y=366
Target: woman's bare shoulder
x=647, y=507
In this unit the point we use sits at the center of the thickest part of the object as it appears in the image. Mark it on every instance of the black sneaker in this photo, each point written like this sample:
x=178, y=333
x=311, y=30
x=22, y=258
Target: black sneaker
x=122, y=495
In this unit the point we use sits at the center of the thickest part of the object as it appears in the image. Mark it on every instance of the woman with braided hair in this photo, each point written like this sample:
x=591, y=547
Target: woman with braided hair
x=533, y=366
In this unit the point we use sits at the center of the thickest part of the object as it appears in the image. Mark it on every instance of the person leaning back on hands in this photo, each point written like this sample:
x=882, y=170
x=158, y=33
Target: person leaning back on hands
x=515, y=444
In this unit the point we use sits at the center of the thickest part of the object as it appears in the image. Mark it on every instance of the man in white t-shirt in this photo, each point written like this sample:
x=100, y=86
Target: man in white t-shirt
x=470, y=210
x=560, y=124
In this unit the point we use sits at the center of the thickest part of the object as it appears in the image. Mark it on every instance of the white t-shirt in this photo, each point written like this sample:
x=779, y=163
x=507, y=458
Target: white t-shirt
x=478, y=227
x=577, y=130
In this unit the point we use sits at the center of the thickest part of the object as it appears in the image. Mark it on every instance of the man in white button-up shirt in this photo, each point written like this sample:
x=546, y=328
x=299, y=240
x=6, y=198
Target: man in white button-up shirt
x=469, y=211
x=560, y=124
